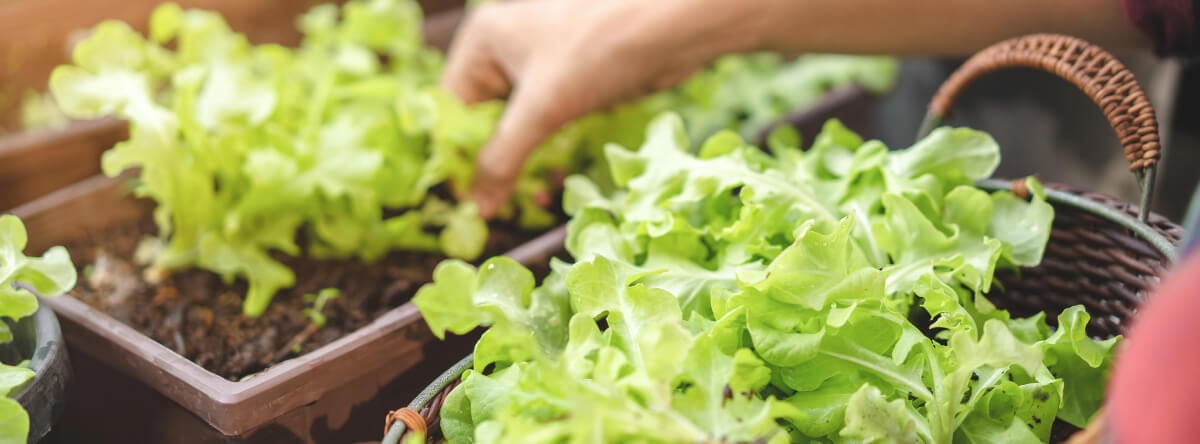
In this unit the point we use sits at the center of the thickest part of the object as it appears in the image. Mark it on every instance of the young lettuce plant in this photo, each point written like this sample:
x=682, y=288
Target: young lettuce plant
x=734, y=295
x=242, y=147
x=741, y=92
x=346, y=140
x=20, y=276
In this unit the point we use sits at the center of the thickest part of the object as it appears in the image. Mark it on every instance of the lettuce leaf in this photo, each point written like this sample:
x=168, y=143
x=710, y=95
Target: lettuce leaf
x=50, y=275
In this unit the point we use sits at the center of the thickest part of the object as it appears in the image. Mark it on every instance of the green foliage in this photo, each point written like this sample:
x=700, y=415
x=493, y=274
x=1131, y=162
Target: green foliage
x=314, y=312
x=49, y=275
x=345, y=141
x=731, y=295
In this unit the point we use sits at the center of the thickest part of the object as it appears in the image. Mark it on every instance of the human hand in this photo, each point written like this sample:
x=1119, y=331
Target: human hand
x=556, y=60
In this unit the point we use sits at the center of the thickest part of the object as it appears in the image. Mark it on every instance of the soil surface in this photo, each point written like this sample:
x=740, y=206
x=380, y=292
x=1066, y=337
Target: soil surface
x=200, y=317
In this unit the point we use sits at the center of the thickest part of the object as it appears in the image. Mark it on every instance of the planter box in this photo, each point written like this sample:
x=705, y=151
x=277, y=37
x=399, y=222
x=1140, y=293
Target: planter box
x=288, y=402
x=35, y=163
x=35, y=37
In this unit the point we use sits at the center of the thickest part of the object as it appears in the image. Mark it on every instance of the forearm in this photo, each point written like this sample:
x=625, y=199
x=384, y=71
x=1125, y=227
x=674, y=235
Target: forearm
x=935, y=27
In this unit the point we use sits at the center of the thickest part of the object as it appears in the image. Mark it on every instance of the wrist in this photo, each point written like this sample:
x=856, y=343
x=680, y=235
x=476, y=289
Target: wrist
x=725, y=26
x=777, y=16
x=692, y=31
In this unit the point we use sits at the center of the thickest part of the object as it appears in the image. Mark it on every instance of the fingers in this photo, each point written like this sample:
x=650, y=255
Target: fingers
x=473, y=76
x=527, y=122
x=547, y=98
x=550, y=73
x=475, y=73
x=472, y=72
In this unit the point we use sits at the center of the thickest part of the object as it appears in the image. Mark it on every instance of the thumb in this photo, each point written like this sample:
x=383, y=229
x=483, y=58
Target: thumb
x=527, y=121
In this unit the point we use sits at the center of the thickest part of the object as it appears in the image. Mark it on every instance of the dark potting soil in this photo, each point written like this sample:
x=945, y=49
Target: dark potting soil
x=196, y=314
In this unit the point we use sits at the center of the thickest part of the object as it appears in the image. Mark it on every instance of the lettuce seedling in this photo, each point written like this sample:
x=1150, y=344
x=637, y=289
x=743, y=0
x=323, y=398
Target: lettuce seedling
x=22, y=278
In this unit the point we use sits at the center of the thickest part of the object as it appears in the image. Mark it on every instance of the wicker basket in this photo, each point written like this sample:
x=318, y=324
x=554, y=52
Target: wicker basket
x=1103, y=253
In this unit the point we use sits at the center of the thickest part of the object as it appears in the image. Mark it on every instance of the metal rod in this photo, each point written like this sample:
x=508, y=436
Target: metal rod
x=1146, y=178
x=930, y=122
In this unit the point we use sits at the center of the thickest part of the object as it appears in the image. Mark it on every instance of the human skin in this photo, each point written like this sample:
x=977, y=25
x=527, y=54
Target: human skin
x=556, y=60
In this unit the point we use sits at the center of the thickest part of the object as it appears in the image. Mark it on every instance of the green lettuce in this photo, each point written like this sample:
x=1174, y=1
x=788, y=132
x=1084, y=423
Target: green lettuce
x=346, y=142
x=49, y=275
x=726, y=294
x=243, y=147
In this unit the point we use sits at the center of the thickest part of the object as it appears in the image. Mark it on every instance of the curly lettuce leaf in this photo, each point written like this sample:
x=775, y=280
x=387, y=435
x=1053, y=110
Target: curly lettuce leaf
x=643, y=374
x=14, y=421
x=50, y=275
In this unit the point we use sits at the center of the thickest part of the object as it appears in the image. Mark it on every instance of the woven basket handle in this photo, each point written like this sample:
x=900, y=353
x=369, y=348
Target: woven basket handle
x=1093, y=70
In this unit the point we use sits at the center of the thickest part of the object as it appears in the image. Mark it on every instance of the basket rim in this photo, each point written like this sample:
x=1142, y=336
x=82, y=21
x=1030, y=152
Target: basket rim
x=397, y=429
x=1141, y=229
x=443, y=380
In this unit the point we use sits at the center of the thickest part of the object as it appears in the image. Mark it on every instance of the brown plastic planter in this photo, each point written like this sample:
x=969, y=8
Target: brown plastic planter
x=34, y=37
x=72, y=154
x=284, y=403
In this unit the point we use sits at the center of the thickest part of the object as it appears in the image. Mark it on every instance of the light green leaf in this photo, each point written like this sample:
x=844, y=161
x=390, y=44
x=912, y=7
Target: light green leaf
x=447, y=302
x=950, y=154
x=822, y=411
x=16, y=303
x=465, y=235
x=1081, y=362
x=984, y=431
x=1024, y=225
x=720, y=394
x=50, y=275
x=165, y=22
x=14, y=422
x=870, y=418
x=13, y=378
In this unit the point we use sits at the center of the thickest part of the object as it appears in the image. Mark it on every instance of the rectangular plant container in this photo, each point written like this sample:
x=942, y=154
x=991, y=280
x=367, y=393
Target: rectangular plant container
x=283, y=403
